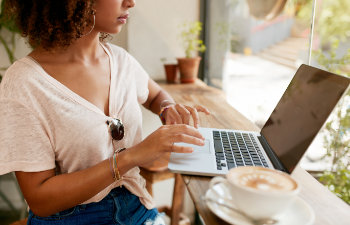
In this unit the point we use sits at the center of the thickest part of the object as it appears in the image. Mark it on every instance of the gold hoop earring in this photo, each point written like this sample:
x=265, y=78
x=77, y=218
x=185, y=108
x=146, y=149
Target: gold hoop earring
x=93, y=26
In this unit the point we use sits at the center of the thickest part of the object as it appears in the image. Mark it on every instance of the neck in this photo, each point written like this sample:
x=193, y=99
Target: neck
x=84, y=49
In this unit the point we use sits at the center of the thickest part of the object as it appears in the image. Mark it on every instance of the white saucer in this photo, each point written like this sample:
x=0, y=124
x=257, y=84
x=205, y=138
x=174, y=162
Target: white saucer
x=299, y=213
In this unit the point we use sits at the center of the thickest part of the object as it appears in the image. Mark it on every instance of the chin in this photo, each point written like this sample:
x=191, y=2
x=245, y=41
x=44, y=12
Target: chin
x=111, y=29
x=115, y=30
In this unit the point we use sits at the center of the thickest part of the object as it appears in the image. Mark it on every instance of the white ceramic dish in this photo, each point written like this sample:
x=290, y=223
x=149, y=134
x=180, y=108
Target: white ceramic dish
x=299, y=213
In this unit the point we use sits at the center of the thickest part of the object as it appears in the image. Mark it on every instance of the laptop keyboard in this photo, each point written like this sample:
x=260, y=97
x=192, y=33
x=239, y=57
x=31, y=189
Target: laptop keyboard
x=234, y=149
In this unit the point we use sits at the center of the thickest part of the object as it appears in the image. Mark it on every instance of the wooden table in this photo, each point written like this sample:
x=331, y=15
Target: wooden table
x=329, y=209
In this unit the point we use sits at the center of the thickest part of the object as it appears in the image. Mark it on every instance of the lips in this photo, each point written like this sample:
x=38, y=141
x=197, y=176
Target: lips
x=123, y=18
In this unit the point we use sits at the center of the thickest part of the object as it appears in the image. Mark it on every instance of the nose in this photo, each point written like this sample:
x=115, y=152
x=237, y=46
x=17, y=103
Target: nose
x=129, y=3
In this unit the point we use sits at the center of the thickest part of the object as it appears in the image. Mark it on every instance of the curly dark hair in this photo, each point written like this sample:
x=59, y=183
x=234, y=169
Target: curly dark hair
x=53, y=23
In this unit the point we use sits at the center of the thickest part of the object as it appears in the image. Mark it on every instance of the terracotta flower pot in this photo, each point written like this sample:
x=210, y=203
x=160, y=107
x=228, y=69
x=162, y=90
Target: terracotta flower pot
x=188, y=69
x=171, y=72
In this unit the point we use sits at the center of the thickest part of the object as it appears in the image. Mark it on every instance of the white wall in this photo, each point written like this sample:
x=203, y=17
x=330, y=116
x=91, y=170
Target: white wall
x=153, y=31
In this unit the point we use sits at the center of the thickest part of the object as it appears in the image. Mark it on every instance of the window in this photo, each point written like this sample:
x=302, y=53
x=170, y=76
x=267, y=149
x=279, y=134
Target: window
x=252, y=55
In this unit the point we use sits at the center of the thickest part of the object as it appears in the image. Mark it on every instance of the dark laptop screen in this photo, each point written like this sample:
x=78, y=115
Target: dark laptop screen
x=301, y=112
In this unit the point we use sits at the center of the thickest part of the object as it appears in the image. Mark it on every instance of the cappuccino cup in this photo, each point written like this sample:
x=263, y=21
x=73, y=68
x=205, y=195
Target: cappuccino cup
x=259, y=192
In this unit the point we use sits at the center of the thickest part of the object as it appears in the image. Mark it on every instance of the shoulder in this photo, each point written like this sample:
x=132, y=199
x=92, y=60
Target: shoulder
x=18, y=69
x=18, y=78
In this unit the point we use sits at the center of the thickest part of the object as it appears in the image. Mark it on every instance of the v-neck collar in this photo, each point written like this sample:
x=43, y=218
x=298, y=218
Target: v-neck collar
x=74, y=96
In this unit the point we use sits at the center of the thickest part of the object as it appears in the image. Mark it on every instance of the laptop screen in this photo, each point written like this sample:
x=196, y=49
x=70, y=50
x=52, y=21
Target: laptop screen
x=301, y=112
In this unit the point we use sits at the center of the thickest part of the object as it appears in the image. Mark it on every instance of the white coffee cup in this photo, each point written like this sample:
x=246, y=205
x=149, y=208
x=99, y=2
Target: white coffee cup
x=259, y=192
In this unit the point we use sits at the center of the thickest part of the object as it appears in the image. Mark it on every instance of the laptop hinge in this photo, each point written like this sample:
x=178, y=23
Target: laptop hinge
x=272, y=155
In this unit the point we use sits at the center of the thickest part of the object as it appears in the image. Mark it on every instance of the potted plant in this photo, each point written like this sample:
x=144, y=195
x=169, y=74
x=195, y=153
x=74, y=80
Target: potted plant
x=171, y=70
x=189, y=65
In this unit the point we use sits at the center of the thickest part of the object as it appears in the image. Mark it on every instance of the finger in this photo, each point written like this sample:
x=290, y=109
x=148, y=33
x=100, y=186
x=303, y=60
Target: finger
x=184, y=113
x=172, y=113
x=185, y=129
x=169, y=120
x=188, y=139
x=202, y=109
x=195, y=115
x=181, y=149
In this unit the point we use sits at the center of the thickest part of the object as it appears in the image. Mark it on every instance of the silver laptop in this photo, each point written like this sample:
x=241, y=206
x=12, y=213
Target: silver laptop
x=299, y=115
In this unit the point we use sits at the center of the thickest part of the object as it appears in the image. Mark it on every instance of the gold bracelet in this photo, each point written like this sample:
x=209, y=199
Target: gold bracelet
x=112, y=168
x=115, y=164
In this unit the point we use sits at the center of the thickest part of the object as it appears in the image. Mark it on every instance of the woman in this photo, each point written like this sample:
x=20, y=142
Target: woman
x=64, y=109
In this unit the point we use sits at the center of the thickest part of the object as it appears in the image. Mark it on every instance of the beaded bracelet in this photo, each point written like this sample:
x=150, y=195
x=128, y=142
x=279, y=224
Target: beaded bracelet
x=163, y=109
x=161, y=114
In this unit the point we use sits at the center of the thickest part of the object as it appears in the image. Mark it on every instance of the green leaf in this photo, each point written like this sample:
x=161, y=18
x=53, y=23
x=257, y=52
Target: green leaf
x=190, y=38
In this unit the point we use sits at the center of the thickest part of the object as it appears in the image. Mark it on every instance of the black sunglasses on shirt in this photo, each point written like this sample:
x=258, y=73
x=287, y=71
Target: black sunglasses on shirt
x=116, y=128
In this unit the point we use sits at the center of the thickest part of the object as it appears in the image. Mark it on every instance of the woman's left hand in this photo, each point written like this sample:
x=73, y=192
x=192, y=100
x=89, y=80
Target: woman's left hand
x=181, y=114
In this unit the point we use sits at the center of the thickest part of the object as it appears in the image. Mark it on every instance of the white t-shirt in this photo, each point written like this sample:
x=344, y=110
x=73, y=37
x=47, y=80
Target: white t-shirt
x=45, y=125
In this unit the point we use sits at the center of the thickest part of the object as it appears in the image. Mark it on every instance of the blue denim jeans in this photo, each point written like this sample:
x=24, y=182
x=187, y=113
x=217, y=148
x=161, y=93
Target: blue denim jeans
x=118, y=207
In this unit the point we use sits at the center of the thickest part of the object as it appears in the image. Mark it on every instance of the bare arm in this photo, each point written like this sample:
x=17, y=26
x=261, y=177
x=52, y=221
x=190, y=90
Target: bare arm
x=156, y=96
x=47, y=194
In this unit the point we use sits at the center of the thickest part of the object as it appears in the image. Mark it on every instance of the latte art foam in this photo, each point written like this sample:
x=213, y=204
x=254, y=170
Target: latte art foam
x=264, y=180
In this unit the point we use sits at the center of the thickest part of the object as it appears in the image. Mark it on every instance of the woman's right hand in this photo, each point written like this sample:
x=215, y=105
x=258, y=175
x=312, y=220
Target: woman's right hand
x=163, y=141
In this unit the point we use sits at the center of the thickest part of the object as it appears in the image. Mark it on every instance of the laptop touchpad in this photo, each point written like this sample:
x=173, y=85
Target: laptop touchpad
x=198, y=149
